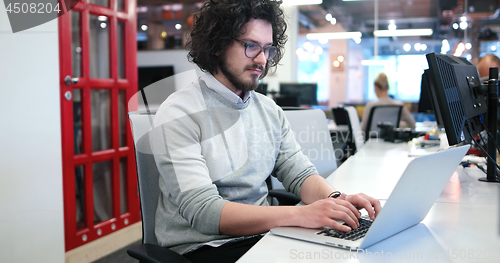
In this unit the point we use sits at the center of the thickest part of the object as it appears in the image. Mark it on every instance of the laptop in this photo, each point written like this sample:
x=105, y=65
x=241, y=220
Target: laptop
x=413, y=196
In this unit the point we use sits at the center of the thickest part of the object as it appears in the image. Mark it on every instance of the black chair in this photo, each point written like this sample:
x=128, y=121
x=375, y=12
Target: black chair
x=388, y=114
x=149, y=191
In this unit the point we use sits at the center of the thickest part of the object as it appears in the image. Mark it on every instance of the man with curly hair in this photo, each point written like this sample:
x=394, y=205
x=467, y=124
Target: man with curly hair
x=217, y=141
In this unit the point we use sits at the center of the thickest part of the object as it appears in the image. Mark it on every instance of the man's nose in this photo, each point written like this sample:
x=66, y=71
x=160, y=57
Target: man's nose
x=260, y=59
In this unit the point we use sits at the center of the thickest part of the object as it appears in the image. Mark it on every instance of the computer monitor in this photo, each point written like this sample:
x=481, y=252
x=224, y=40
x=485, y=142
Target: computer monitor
x=262, y=88
x=425, y=107
x=149, y=75
x=300, y=93
x=425, y=102
x=454, y=86
x=462, y=99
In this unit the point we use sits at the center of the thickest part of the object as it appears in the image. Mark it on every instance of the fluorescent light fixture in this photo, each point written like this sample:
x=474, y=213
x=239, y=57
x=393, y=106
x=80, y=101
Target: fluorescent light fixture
x=338, y=35
x=375, y=62
x=301, y=2
x=403, y=32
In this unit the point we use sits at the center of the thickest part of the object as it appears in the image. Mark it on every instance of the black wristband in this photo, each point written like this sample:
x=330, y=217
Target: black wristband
x=334, y=194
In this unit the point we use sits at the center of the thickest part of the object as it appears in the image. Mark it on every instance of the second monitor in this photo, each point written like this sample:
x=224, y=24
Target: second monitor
x=299, y=93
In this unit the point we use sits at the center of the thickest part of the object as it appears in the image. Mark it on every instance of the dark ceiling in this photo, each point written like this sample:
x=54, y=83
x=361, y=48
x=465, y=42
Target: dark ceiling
x=360, y=16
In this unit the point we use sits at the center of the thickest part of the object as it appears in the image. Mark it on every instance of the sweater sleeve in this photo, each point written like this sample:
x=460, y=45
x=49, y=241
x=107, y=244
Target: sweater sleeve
x=292, y=166
x=177, y=143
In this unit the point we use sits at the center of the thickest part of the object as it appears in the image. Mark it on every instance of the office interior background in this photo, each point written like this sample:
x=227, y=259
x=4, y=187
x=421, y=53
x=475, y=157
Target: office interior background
x=360, y=39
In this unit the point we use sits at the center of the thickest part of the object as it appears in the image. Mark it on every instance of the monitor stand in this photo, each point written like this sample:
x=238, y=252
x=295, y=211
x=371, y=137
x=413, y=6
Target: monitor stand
x=491, y=171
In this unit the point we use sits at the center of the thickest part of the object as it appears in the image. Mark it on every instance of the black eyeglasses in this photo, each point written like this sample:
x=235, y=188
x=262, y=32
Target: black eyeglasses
x=252, y=50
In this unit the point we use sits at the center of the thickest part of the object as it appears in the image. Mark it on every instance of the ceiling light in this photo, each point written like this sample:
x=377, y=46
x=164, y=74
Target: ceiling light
x=460, y=49
x=357, y=40
x=333, y=21
x=328, y=17
x=178, y=26
x=142, y=9
x=463, y=25
x=339, y=35
x=309, y=46
x=423, y=47
x=468, y=46
x=455, y=26
x=144, y=27
x=392, y=25
x=403, y=32
x=445, y=46
x=340, y=58
x=301, y=2
x=407, y=47
x=323, y=41
x=417, y=46
x=318, y=50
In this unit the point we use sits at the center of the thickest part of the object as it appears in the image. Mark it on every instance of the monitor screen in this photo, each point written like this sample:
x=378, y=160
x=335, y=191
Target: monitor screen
x=149, y=75
x=453, y=84
x=425, y=102
x=262, y=88
x=301, y=93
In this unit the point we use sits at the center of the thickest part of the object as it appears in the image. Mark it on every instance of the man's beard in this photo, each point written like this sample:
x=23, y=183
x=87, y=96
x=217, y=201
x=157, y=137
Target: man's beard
x=238, y=83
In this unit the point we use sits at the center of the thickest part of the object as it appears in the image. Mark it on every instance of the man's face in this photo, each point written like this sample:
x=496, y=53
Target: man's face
x=237, y=71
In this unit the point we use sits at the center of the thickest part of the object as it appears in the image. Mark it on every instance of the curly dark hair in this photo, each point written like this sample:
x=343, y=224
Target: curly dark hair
x=219, y=22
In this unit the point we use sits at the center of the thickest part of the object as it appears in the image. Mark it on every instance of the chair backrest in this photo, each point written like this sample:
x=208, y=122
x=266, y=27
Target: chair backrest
x=147, y=173
x=311, y=132
x=382, y=113
x=348, y=115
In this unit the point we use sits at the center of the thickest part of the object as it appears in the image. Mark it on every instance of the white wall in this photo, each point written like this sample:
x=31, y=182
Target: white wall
x=287, y=68
x=31, y=198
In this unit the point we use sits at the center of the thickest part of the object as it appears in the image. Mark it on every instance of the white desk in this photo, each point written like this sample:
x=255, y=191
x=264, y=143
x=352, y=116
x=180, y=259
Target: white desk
x=462, y=226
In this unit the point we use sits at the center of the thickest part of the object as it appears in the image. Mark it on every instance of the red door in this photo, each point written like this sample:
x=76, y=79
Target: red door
x=97, y=42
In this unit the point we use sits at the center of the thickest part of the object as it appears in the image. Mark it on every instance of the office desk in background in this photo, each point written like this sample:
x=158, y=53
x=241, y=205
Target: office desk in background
x=462, y=226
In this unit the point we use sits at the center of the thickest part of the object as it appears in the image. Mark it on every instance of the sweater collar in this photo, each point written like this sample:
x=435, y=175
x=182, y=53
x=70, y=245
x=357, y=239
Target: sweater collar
x=223, y=91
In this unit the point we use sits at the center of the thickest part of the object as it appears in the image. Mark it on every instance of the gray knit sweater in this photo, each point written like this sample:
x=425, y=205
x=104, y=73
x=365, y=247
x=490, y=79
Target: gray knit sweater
x=210, y=150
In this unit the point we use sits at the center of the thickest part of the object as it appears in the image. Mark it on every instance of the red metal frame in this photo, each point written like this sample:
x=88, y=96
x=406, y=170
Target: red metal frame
x=118, y=221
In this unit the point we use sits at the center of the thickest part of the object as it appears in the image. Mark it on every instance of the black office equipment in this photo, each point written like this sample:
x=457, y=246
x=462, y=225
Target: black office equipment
x=151, y=74
x=299, y=93
x=262, y=88
x=461, y=100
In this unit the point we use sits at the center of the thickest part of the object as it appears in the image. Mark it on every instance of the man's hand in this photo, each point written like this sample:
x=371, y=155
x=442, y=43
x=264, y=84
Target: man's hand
x=323, y=213
x=370, y=204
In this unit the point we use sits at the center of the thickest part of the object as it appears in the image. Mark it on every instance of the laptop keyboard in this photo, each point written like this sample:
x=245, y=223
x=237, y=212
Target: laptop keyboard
x=352, y=235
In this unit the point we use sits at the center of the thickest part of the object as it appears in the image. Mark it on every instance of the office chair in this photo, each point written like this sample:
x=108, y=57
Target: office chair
x=354, y=140
x=149, y=191
x=382, y=114
x=311, y=132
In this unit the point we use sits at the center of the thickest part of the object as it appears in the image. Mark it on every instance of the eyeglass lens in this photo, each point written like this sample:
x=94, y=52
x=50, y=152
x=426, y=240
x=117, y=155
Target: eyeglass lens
x=253, y=50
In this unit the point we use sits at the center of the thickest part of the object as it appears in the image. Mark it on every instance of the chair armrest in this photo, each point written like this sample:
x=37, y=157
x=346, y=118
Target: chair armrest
x=284, y=197
x=155, y=254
